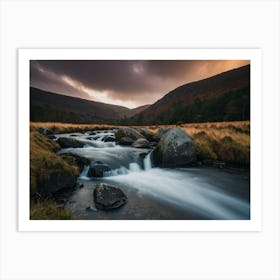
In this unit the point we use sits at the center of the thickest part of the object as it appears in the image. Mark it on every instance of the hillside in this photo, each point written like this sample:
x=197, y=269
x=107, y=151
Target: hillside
x=223, y=97
x=47, y=106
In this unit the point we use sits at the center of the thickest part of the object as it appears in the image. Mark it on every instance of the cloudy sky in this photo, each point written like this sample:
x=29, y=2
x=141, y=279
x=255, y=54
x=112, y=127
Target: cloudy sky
x=130, y=83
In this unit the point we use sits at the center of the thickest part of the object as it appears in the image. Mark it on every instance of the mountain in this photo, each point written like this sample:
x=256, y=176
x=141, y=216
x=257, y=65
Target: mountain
x=223, y=97
x=53, y=107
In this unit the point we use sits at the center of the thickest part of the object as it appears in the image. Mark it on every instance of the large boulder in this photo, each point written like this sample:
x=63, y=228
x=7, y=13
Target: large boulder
x=107, y=197
x=149, y=135
x=128, y=132
x=125, y=141
x=97, y=170
x=141, y=143
x=175, y=148
x=67, y=142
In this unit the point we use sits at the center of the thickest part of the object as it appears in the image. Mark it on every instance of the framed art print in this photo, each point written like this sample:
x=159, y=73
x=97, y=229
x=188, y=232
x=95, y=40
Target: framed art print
x=139, y=139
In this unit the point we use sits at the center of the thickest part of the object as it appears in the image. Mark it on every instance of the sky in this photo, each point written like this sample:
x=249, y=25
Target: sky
x=129, y=83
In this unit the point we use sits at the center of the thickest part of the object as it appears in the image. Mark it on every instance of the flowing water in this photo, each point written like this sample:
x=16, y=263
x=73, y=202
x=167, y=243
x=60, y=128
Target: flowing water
x=157, y=193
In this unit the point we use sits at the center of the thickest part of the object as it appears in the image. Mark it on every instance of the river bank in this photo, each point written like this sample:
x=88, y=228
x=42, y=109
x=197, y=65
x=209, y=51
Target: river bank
x=153, y=193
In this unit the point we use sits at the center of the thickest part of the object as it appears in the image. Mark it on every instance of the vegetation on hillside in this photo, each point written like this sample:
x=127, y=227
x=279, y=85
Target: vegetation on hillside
x=232, y=106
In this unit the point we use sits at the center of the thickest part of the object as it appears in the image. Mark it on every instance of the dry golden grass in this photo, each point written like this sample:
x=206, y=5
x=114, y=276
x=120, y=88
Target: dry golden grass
x=57, y=127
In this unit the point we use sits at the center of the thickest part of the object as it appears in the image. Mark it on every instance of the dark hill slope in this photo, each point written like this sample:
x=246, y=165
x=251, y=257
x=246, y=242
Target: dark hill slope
x=52, y=107
x=222, y=97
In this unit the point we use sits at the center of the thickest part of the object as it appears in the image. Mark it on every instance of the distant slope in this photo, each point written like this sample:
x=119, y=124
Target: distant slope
x=225, y=96
x=52, y=107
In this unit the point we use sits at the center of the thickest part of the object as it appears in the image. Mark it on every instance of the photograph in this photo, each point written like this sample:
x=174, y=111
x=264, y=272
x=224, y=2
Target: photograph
x=139, y=139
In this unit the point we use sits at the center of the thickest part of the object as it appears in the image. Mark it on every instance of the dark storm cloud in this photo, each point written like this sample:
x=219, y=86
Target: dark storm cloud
x=138, y=82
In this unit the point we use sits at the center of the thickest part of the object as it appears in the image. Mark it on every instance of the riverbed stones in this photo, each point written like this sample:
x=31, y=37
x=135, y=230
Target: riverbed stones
x=108, y=197
x=67, y=142
x=141, y=143
x=174, y=149
x=97, y=170
x=128, y=132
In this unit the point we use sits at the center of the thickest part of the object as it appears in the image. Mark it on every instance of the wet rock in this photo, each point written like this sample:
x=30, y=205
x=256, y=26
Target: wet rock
x=92, y=133
x=44, y=130
x=90, y=208
x=174, y=149
x=52, y=137
x=97, y=170
x=149, y=135
x=107, y=197
x=128, y=132
x=141, y=143
x=79, y=160
x=109, y=138
x=66, y=142
x=162, y=131
x=125, y=141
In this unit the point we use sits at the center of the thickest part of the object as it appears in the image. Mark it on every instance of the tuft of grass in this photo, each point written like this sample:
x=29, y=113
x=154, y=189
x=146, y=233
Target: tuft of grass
x=49, y=210
x=225, y=141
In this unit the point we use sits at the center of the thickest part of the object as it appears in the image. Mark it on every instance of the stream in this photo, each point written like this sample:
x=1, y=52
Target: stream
x=197, y=193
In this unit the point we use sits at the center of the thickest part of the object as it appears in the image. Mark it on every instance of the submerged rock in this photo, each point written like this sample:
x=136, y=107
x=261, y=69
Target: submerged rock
x=141, y=143
x=66, y=142
x=97, y=170
x=108, y=138
x=125, y=141
x=128, y=132
x=174, y=149
x=107, y=197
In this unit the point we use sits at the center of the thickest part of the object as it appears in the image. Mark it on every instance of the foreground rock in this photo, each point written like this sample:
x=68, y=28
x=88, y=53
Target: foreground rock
x=66, y=142
x=128, y=132
x=141, y=143
x=175, y=148
x=97, y=170
x=107, y=197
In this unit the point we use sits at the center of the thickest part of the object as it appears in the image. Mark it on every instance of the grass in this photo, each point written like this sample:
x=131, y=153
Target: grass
x=46, y=169
x=45, y=164
x=49, y=210
x=57, y=127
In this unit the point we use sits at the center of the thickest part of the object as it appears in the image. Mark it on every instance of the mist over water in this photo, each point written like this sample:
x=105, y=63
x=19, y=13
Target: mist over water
x=200, y=193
